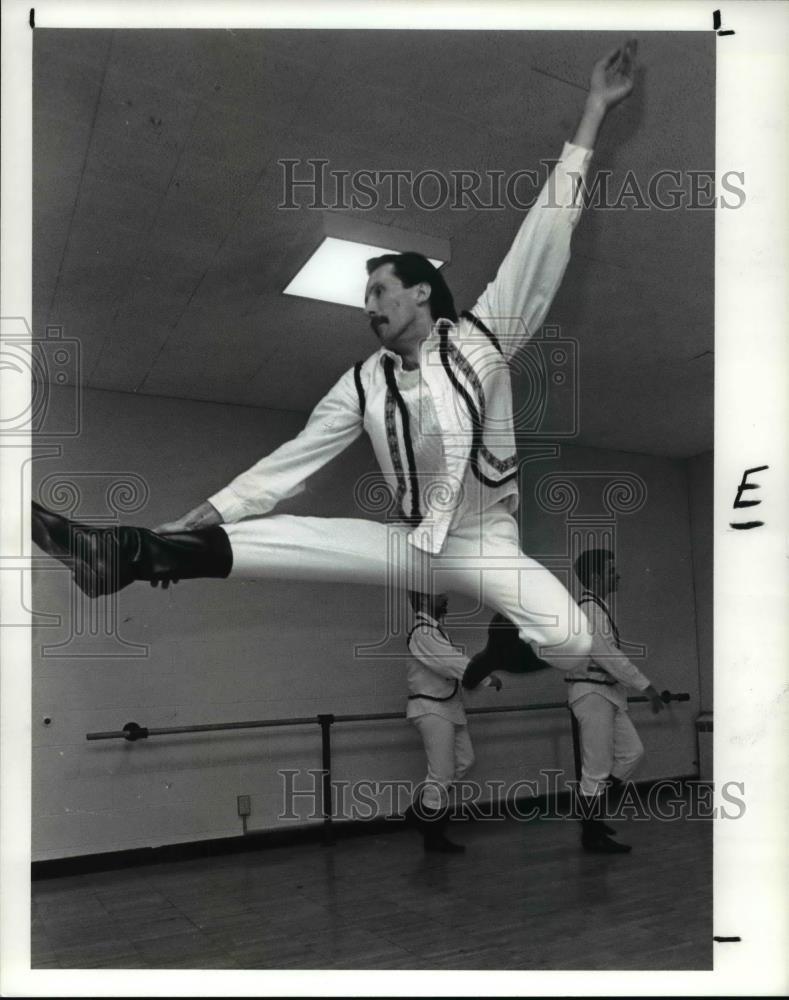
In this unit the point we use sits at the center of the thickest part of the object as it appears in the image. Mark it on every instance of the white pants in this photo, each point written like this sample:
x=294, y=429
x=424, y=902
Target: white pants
x=610, y=744
x=449, y=754
x=481, y=557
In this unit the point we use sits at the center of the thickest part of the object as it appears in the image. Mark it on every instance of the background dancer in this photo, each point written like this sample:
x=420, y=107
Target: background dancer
x=436, y=709
x=610, y=745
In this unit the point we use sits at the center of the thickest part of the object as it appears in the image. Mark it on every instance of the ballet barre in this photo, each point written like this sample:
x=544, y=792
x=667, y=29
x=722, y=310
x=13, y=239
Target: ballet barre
x=132, y=732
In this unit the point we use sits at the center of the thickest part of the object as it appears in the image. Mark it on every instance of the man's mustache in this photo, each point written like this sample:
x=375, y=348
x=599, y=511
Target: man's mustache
x=376, y=323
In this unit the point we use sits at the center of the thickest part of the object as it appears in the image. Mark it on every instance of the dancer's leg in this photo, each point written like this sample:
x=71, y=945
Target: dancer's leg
x=332, y=550
x=429, y=811
x=595, y=716
x=482, y=557
x=438, y=739
x=464, y=752
x=628, y=748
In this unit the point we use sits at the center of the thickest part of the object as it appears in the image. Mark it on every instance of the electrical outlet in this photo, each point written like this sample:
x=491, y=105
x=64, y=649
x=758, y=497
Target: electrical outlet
x=244, y=805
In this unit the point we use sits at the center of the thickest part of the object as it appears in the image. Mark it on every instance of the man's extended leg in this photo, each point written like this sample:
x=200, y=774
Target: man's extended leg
x=481, y=558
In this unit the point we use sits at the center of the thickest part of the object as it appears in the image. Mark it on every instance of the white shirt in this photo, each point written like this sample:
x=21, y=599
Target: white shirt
x=464, y=385
x=608, y=672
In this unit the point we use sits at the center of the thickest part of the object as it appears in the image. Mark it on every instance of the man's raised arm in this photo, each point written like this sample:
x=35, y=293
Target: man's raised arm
x=516, y=302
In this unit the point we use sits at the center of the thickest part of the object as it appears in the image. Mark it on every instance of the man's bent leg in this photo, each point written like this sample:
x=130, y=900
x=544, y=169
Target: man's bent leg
x=482, y=557
x=595, y=715
x=430, y=809
x=628, y=748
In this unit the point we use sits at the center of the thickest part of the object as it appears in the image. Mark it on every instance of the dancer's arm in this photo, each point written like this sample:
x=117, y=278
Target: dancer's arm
x=516, y=302
x=605, y=654
x=332, y=426
x=437, y=653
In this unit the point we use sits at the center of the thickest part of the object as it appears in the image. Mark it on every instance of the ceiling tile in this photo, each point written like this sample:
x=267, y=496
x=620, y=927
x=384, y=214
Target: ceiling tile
x=132, y=108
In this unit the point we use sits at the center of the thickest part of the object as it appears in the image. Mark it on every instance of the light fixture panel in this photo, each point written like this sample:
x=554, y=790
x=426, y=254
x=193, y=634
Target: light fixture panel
x=336, y=272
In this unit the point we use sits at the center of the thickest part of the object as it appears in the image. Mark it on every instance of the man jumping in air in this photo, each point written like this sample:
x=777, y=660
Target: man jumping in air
x=435, y=400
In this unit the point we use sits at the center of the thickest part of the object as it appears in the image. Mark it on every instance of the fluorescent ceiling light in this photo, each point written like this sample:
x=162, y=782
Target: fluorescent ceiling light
x=336, y=272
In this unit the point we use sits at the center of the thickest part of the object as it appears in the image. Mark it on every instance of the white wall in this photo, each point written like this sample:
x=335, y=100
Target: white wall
x=214, y=651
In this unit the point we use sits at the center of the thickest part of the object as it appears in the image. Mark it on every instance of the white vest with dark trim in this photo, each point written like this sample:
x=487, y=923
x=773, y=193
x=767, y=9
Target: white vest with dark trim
x=468, y=378
x=592, y=678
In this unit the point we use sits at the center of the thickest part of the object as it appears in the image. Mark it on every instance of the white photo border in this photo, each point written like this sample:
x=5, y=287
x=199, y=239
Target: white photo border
x=751, y=724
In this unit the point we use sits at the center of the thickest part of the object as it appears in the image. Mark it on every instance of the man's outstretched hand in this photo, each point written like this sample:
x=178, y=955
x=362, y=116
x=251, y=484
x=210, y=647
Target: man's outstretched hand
x=655, y=698
x=204, y=516
x=612, y=81
x=613, y=75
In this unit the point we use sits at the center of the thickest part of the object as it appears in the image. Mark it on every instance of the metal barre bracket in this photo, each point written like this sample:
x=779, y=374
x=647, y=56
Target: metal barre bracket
x=134, y=732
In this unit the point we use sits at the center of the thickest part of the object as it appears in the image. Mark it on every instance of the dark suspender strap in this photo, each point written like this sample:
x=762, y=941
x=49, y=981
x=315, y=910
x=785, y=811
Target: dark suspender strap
x=391, y=383
x=481, y=326
x=431, y=697
x=456, y=357
x=357, y=377
x=430, y=624
x=593, y=599
x=476, y=421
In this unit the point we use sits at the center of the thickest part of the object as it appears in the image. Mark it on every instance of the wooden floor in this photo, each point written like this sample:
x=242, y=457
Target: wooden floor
x=523, y=896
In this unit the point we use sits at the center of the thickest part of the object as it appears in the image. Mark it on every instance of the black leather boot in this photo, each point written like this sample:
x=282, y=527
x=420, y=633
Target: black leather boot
x=105, y=560
x=434, y=838
x=505, y=650
x=594, y=832
x=431, y=823
x=595, y=840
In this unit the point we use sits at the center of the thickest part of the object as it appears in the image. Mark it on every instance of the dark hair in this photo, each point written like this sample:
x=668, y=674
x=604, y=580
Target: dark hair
x=411, y=268
x=417, y=599
x=590, y=562
x=421, y=600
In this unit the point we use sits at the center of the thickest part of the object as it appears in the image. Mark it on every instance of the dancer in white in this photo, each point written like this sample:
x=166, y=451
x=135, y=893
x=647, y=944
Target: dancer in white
x=435, y=400
x=435, y=708
x=610, y=745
